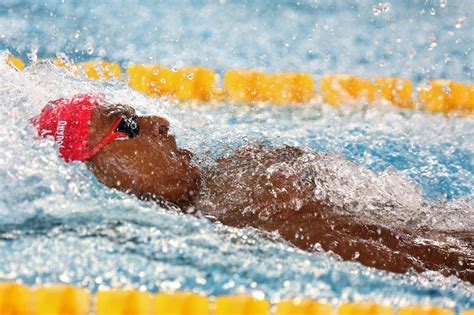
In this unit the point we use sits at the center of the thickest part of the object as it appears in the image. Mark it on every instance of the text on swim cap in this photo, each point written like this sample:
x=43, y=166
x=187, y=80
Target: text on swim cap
x=60, y=132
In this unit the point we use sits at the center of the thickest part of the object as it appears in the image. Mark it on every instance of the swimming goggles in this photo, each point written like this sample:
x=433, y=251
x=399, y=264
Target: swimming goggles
x=124, y=128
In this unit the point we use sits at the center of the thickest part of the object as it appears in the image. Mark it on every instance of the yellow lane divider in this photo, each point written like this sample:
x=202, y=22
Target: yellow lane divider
x=61, y=299
x=365, y=309
x=16, y=299
x=185, y=83
x=241, y=305
x=15, y=63
x=424, y=310
x=96, y=70
x=123, y=302
x=181, y=303
x=446, y=96
x=303, y=307
x=198, y=83
x=277, y=88
x=342, y=88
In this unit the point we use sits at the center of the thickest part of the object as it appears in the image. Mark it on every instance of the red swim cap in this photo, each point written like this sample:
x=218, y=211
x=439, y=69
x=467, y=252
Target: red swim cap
x=67, y=121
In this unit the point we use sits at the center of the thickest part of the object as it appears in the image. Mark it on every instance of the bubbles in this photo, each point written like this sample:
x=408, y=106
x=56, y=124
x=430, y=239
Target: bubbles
x=424, y=85
x=447, y=59
x=102, y=53
x=460, y=22
x=90, y=49
x=433, y=41
x=33, y=55
x=446, y=89
x=381, y=8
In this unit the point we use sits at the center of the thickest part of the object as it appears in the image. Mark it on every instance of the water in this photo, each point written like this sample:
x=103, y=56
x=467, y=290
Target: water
x=57, y=224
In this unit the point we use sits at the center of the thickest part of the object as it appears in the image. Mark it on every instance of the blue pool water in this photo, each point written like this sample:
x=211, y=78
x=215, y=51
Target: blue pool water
x=57, y=224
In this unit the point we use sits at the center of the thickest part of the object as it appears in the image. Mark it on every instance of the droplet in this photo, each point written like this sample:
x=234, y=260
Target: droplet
x=190, y=76
x=376, y=10
x=433, y=42
x=460, y=21
x=381, y=8
x=163, y=80
x=447, y=59
x=433, y=11
x=425, y=85
x=443, y=3
x=33, y=55
x=446, y=89
x=386, y=7
x=174, y=69
x=77, y=34
x=90, y=49
x=399, y=85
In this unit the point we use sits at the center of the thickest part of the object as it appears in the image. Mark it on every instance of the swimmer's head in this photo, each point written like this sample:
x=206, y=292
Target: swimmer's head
x=127, y=152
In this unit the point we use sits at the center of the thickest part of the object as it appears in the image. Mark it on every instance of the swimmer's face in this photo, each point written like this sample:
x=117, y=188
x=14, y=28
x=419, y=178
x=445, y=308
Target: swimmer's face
x=149, y=164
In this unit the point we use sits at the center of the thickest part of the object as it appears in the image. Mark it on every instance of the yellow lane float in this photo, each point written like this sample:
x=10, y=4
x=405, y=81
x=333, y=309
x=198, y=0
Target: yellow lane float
x=446, y=96
x=15, y=299
x=241, y=305
x=303, y=307
x=95, y=69
x=18, y=299
x=123, y=302
x=101, y=69
x=250, y=86
x=61, y=299
x=185, y=83
x=424, y=310
x=341, y=89
x=16, y=63
x=365, y=309
x=181, y=303
x=277, y=88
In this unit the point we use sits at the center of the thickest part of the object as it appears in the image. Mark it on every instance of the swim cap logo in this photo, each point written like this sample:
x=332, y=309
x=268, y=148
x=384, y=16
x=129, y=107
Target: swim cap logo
x=60, y=132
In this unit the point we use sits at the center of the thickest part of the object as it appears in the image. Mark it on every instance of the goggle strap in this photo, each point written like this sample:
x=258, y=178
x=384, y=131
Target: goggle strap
x=111, y=136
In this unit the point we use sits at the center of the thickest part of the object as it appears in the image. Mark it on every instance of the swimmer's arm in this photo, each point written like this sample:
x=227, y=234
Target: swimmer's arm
x=396, y=249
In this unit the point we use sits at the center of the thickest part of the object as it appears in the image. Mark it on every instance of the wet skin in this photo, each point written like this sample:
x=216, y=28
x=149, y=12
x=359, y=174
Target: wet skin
x=239, y=191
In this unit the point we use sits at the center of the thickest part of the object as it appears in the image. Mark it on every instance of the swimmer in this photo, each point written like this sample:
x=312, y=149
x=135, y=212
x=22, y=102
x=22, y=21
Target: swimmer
x=266, y=188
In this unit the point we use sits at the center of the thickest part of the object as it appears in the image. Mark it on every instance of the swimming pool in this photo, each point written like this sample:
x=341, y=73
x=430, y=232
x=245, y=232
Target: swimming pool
x=58, y=224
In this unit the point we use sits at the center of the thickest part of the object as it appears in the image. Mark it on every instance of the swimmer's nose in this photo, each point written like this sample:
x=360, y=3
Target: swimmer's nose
x=161, y=128
x=186, y=153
